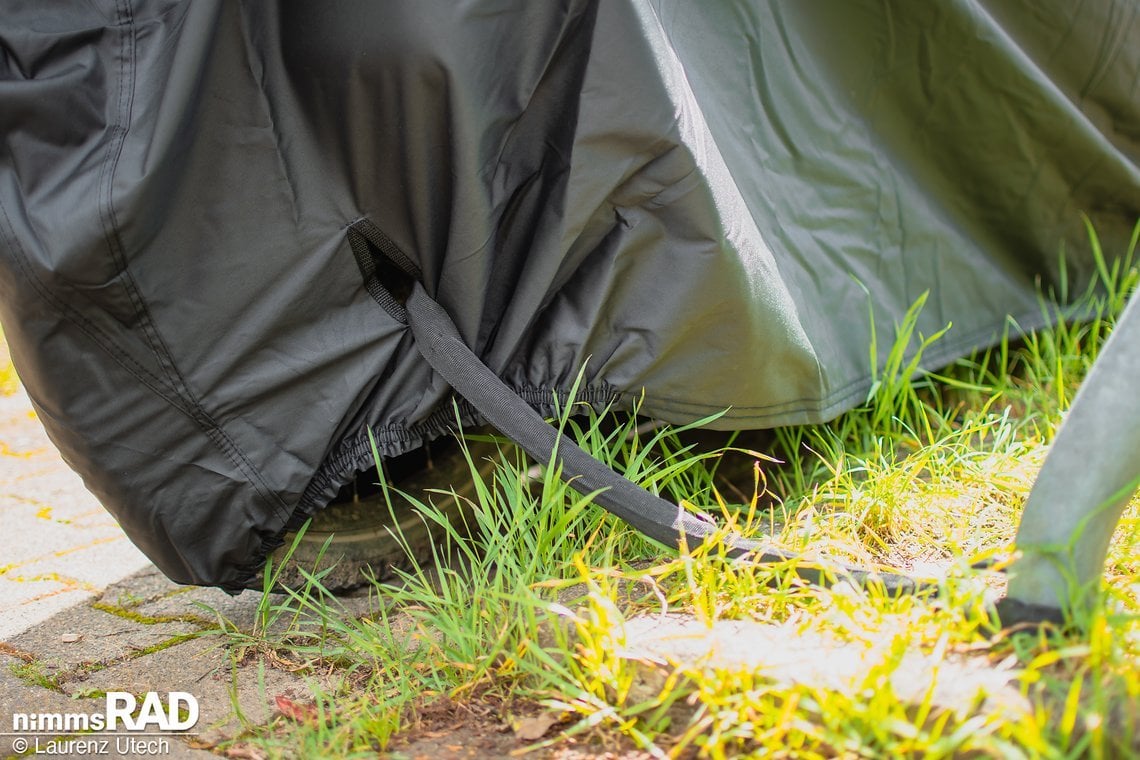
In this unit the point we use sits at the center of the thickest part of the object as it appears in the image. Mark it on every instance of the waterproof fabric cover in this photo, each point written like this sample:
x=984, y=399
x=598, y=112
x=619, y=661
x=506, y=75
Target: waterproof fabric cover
x=698, y=202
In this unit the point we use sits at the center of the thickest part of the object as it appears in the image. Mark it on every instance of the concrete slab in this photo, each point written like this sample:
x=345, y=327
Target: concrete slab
x=788, y=655
x=64, y=546
x=206, y=669
x=152, y=594
x=41, y=537
x=92, y=562
x=19, y=696
x=16, y=695
x=146, y=585
x=27, y=603
x=102, y=638
x=149, y=593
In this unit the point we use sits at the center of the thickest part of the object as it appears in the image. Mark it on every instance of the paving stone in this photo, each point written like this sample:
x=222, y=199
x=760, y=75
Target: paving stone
x=23, y=433
x=64, y=546
x=208, y=603
x=40, y=538
x=150, y=593
x=67, y=550
x=204, y=668
x=28, y=603
x=93, y=562
x=42, y=480
x=787, y=655
x=105, y=638
x=15, y=592
x=17, y=696
x=144, y=585
x=39, y=477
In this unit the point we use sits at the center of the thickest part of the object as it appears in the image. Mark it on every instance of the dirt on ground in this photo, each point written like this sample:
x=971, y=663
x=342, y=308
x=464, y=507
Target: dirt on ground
x=491, y=728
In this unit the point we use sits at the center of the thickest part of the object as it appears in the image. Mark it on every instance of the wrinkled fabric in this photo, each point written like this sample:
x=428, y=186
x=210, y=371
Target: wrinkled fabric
x=702, y=204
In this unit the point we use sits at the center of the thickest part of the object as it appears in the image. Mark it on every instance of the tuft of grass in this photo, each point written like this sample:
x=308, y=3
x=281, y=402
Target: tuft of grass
x=35, y=674
x=541, y=596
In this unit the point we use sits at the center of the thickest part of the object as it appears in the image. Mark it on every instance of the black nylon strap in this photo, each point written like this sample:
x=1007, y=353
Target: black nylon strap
x=439, y=341
x=388, y=274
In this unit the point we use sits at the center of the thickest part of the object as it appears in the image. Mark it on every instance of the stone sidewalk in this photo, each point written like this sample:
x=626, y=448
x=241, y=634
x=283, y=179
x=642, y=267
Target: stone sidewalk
x=61, y=547
x=139, y=635
x=82, y=613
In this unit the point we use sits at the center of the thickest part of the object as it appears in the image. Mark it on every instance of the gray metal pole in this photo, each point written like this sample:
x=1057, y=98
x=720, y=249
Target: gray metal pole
x=1088, y=477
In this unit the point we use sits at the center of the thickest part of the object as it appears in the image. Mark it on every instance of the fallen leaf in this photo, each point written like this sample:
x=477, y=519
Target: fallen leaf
x=301, y=712
x=12, y=651
x=246, y=752
x=535, y=727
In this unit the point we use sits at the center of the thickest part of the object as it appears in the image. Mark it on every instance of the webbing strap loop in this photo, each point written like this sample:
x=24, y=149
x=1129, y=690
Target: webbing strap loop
x=439, y=341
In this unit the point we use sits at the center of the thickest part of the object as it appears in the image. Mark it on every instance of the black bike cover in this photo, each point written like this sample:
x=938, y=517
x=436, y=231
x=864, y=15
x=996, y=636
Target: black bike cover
x=698, y=201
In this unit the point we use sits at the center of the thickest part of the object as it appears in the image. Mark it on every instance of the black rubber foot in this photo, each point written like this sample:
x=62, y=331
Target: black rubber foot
x=1013, y=612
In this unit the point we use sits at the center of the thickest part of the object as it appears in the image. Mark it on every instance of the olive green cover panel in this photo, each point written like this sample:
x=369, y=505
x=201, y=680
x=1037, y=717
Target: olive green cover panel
x=701, y=203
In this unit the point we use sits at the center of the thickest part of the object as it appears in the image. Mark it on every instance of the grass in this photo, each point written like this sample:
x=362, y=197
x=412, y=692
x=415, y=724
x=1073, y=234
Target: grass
x=548, y=600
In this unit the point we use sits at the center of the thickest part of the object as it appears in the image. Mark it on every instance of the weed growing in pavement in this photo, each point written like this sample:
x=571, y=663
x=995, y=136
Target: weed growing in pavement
x=541, y=596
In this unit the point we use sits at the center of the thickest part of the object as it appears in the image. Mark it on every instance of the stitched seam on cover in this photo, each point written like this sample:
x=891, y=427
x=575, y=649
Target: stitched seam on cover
x=158, y=347
x=154, y=383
